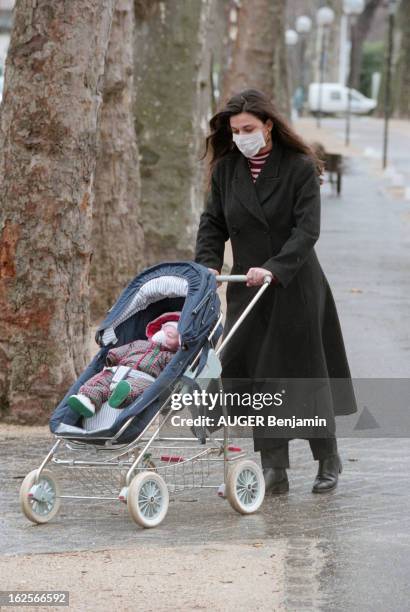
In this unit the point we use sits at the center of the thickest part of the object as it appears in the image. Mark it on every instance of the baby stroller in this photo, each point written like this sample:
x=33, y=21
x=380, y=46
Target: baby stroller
x=123, y=454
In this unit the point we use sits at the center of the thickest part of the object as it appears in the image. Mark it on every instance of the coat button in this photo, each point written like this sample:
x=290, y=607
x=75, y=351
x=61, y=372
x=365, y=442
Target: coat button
x=235, y=230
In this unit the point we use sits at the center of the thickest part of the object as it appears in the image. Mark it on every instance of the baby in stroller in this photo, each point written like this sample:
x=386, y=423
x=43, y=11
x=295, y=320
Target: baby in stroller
x=130, y=368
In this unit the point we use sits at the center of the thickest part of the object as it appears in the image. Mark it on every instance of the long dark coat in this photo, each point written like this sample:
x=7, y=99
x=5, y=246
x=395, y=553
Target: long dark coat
x=293, y=332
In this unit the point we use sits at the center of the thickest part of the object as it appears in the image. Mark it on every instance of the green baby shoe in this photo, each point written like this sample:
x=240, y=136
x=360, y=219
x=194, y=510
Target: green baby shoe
x=81, y=404
x=120, y=393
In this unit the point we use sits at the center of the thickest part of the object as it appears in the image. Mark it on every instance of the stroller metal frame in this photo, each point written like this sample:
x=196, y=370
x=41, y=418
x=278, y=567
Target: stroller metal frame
x=148, y=468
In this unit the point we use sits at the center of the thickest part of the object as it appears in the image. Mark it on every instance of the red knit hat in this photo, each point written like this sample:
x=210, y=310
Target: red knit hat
x=156, y=324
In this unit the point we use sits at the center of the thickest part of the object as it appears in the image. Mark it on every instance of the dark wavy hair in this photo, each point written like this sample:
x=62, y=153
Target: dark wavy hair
x=257, y=103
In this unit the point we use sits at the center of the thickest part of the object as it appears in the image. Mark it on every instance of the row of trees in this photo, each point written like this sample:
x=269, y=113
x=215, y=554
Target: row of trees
x=102, y=124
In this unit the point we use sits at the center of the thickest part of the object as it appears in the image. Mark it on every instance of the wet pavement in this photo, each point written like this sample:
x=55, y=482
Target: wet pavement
x=347, y=550
x=364, y=249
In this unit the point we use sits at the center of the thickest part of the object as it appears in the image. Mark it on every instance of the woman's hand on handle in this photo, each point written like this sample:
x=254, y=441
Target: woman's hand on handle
x=256, y=276
x=218, y=284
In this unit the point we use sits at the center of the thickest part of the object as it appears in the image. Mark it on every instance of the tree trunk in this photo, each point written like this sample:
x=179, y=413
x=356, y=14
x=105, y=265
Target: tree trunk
x=117, y=237
x=48, y=133
x=173, y=97
x=333, y=49
x=259, y=56
x=360, y=32
x=399, y=25
x=221, y=46
x=401, y=81
x=332, y=44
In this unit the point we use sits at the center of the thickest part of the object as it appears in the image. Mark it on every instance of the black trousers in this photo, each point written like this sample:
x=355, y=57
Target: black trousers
x=278, y=456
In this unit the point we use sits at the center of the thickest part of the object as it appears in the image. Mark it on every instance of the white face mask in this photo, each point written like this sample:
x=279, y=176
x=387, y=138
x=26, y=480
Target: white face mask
x=249, y=144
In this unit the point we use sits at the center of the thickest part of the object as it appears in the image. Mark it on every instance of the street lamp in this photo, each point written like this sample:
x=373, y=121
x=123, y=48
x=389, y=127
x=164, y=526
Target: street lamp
x=291, y=38
x=351, y=8
x=303, y=24
x=387, y=96
x=303, y=27
x=324, y=18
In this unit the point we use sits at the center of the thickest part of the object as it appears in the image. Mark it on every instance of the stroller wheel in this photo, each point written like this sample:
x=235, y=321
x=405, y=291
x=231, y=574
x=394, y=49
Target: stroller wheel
x=245, y=486
x=40, y=501
x=148, y=499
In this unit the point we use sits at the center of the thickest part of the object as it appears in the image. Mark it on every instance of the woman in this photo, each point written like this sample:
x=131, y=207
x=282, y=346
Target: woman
x=264, y=196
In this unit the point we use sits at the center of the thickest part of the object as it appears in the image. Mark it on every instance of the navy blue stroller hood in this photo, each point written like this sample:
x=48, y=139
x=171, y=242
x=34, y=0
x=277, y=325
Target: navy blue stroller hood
x=185, y=286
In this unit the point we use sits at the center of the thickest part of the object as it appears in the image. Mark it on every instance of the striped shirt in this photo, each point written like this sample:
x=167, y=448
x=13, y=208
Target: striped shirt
x=255, y=164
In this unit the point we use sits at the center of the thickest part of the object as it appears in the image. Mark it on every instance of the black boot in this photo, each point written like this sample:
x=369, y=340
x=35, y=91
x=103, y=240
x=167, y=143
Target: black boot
x=328, y=473
x=276, y=480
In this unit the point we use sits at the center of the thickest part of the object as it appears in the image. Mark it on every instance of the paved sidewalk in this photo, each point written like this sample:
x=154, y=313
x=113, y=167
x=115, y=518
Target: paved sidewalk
x=341, y=551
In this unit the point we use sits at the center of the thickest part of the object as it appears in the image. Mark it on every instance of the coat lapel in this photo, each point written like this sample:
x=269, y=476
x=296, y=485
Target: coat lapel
x=253, y=195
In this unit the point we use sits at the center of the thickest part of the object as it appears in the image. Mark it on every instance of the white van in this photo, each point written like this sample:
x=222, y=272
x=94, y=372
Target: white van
x=334, y=99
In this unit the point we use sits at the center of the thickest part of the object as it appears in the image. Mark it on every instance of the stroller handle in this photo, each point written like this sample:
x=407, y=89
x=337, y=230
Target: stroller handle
x=239, y=278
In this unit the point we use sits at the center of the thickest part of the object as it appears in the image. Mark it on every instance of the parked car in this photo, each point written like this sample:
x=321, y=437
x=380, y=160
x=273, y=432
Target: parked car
x=333, y=99
x=1, y=86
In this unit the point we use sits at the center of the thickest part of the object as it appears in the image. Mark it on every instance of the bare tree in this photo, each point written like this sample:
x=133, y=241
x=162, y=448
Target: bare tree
x=259, y=54
x=220, y=48
x=48, y=134
x=330, y=37
x=360, y=32
x=402, y=71
x=173, y=100
x=333, y=48
x=117, y=236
